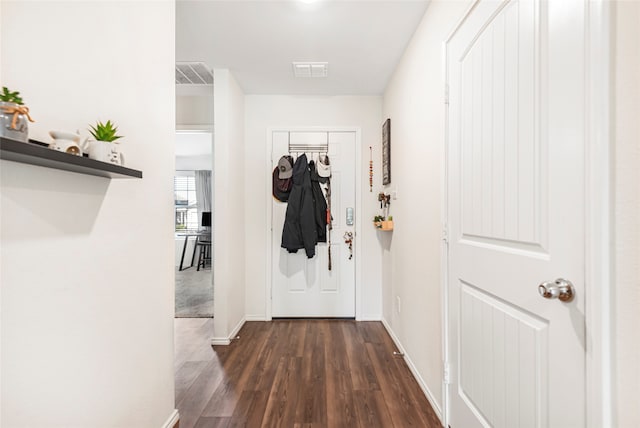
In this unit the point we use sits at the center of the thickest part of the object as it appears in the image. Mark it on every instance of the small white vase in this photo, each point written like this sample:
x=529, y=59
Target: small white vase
x=105, y=151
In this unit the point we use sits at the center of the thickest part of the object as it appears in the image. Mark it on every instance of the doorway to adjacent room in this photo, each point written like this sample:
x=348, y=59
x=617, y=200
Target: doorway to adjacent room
x=193, y=225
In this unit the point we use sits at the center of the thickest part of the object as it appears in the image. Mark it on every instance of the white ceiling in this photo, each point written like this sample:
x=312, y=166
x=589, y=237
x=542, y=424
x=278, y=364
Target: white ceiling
x=362, y=40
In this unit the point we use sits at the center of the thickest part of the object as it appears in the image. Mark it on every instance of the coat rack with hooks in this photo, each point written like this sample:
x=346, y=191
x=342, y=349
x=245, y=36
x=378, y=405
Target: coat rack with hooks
x=299, y=148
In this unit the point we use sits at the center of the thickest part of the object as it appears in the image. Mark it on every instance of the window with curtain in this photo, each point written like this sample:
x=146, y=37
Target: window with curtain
x=185, y=200
x=203, y=191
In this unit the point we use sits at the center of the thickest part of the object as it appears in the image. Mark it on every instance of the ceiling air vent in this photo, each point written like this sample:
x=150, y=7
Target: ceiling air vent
x=310, y=69
x=193, y=73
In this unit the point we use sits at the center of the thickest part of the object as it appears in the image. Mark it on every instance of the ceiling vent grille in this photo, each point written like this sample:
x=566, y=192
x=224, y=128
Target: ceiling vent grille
x=310, y=69
x=193, y=73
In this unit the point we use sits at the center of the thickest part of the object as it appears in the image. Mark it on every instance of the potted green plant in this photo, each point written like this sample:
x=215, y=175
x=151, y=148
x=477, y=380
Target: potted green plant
x=105, y=131
x=14, y=116
x=377, y=221
x=104, y=148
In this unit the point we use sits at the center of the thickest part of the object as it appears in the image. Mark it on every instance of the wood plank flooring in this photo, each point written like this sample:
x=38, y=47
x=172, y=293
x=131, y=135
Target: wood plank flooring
x=298, y=374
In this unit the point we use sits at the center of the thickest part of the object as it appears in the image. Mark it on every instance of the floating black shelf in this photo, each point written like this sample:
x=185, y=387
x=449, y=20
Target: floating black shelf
x=36, y=153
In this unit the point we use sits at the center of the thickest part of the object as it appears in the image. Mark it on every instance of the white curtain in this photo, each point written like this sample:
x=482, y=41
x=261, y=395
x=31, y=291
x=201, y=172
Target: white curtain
x=203, y=193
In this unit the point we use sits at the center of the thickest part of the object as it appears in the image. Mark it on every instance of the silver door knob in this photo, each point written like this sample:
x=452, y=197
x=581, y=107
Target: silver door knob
x=558, y=289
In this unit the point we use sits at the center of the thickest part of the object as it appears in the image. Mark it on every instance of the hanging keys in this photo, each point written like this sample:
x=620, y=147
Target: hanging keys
x=348, y=239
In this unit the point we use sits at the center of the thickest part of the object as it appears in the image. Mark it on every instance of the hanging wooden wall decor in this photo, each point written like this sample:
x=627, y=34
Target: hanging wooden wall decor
x=370, y=169
x=386, y=152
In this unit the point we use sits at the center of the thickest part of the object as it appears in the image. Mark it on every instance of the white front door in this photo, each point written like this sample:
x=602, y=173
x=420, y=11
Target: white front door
x=303, y=287
x=516, y=215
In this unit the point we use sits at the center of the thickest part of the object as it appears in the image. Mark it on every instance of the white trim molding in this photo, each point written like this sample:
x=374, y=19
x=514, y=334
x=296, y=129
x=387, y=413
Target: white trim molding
x=269, y=229
x=172, y=420
x=203, y=127
x=223, y=341
x=370, y=317
x=444, y=238
x=598, y=199
x=359, y=219
x=414, y=371
x=358, y=214
x=444, y=248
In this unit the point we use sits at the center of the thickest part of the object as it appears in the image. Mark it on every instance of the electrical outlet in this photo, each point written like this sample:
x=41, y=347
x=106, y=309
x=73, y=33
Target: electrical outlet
x=398, y=304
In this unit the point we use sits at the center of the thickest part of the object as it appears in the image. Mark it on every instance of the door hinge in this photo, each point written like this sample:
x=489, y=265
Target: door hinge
x=445, y=233
x=446, y=93
x=446, y=374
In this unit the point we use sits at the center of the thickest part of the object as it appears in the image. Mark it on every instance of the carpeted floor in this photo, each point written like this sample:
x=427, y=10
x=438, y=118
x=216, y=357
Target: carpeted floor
x=194, y=293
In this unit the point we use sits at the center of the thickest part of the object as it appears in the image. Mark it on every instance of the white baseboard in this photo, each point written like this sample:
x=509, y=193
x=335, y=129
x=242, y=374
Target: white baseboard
x=220, y=341
x=414, y=371
x=173, y=420
x=235, y=331
x=227, y=340
x=377, y=317
x=256, y=318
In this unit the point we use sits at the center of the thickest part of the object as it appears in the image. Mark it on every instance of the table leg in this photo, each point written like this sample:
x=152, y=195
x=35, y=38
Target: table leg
x=184, y=248
x=195, y=247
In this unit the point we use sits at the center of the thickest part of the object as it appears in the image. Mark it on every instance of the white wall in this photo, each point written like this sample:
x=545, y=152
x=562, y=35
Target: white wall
x=194, y=163
x=265, y=111
x=194, y=149
x=229, y=204
x=627, y=214
x=194, y=110
x=412, y=265
x=86, y=262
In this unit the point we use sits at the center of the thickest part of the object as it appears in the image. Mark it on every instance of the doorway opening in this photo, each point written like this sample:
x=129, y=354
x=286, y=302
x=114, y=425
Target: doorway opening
x=193, y=225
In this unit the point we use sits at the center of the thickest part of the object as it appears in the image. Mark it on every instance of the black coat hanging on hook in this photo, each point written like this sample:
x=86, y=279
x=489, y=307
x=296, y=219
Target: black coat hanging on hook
x=319, y=203
x=299, y=229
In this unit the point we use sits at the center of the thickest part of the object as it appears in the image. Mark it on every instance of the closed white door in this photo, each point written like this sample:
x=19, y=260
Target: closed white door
x=303, y=287
x=516, y=215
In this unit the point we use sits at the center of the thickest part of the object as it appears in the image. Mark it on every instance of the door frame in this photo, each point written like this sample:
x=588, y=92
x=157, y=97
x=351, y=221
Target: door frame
x=598, y=225
x=357, y=253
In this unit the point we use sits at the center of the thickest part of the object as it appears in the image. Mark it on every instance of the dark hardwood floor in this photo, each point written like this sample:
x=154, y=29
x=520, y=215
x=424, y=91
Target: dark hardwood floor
x=298, y=374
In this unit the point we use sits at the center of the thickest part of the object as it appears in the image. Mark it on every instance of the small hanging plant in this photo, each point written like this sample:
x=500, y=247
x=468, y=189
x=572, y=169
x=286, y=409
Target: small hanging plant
x=105, y=131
